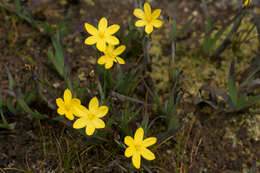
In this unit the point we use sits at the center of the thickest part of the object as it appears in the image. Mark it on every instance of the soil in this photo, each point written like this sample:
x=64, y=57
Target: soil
x=208, y=142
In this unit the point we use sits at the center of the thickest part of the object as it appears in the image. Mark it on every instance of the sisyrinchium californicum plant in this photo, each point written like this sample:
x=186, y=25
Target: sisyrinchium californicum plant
x=117, y=80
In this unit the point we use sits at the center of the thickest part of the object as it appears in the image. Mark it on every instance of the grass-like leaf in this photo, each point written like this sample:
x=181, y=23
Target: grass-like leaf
x=27, y=109
x=232, y=85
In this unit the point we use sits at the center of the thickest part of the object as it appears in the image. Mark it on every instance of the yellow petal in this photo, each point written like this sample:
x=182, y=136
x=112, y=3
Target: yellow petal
x=91, y=40
x=157, y=23
x=75, y=101
x=102, y=60
x=91, y=29
x=246, y=2
x=59, y=102
x=112, y=40
x=79, y=123
x=140, y=23
x=61, y=111
x=147, y=154
x=80, y=111
x=109, y=63
x=110, y=48
x=93, y=105
x=102, y=111
x=156, y=13
x=147, y=9
x=102, y=25
x=112, y=29
x=149, y=141
x=119, y=50
x=129, y=141
x=139, y=13
x=67, y=96
x=90, y=129
x=101, y=45
x=139, y=134
x=119, y=60
x=149, y=28
x=99, y=124
x=69, y=115
x=129, y=151
x=136, y=159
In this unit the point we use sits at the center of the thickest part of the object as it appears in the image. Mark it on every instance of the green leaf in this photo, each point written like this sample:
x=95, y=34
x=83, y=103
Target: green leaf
x=125, y=83
x=237, y=21
x=249, y=78
x=187, y=26
x=101, y=92
x=247, y=34
x=145, y=122
x=58, y=118
x=17, y=6
x=128, y=37
x=242, y=100
x=11, y=107
x=250, y=101
x=171, y=114
x=157, y=101
x=10, y=79
x=232, y=91
x=133, y=115
x=232, y=85
x=209, y=25
x=174, y=30
x=55, y=62
x=209, y=42
x=5, y=124
x=206, y=42
x=1, y=102
x=28, y=110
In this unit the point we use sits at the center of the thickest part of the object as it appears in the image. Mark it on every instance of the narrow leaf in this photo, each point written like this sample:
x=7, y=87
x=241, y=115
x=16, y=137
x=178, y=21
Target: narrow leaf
x=10, y=79
x=28, y=110
x=11, y=107
x=232, y=85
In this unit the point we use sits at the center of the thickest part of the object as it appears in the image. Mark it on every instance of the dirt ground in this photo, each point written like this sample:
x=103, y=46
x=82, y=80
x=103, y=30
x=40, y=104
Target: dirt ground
x=219, y=142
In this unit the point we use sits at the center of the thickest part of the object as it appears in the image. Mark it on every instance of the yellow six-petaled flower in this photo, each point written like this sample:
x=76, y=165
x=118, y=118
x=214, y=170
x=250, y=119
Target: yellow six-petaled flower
x=137, y=147
x=67, y=106
x=102, y=35
x=90, y=118
x=148, y=18
x=111, y=55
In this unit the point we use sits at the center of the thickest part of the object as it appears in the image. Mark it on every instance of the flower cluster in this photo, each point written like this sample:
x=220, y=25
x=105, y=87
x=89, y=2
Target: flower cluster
x=105, y=42
x=90, y=118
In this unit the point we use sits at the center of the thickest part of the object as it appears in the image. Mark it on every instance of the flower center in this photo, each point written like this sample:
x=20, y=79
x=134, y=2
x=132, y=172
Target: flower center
x=149, y=18
x=67, y=107
x=138, y=148
x=91, y=116
x=101, y=34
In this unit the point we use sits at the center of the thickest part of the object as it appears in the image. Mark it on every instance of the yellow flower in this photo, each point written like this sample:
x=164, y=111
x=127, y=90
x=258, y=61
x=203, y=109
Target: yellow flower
x=67, y=106
x=90, y=118
x=111, y=55
x=137, y=147
x=246, y=3
x=148, y=19
x=102, y=35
